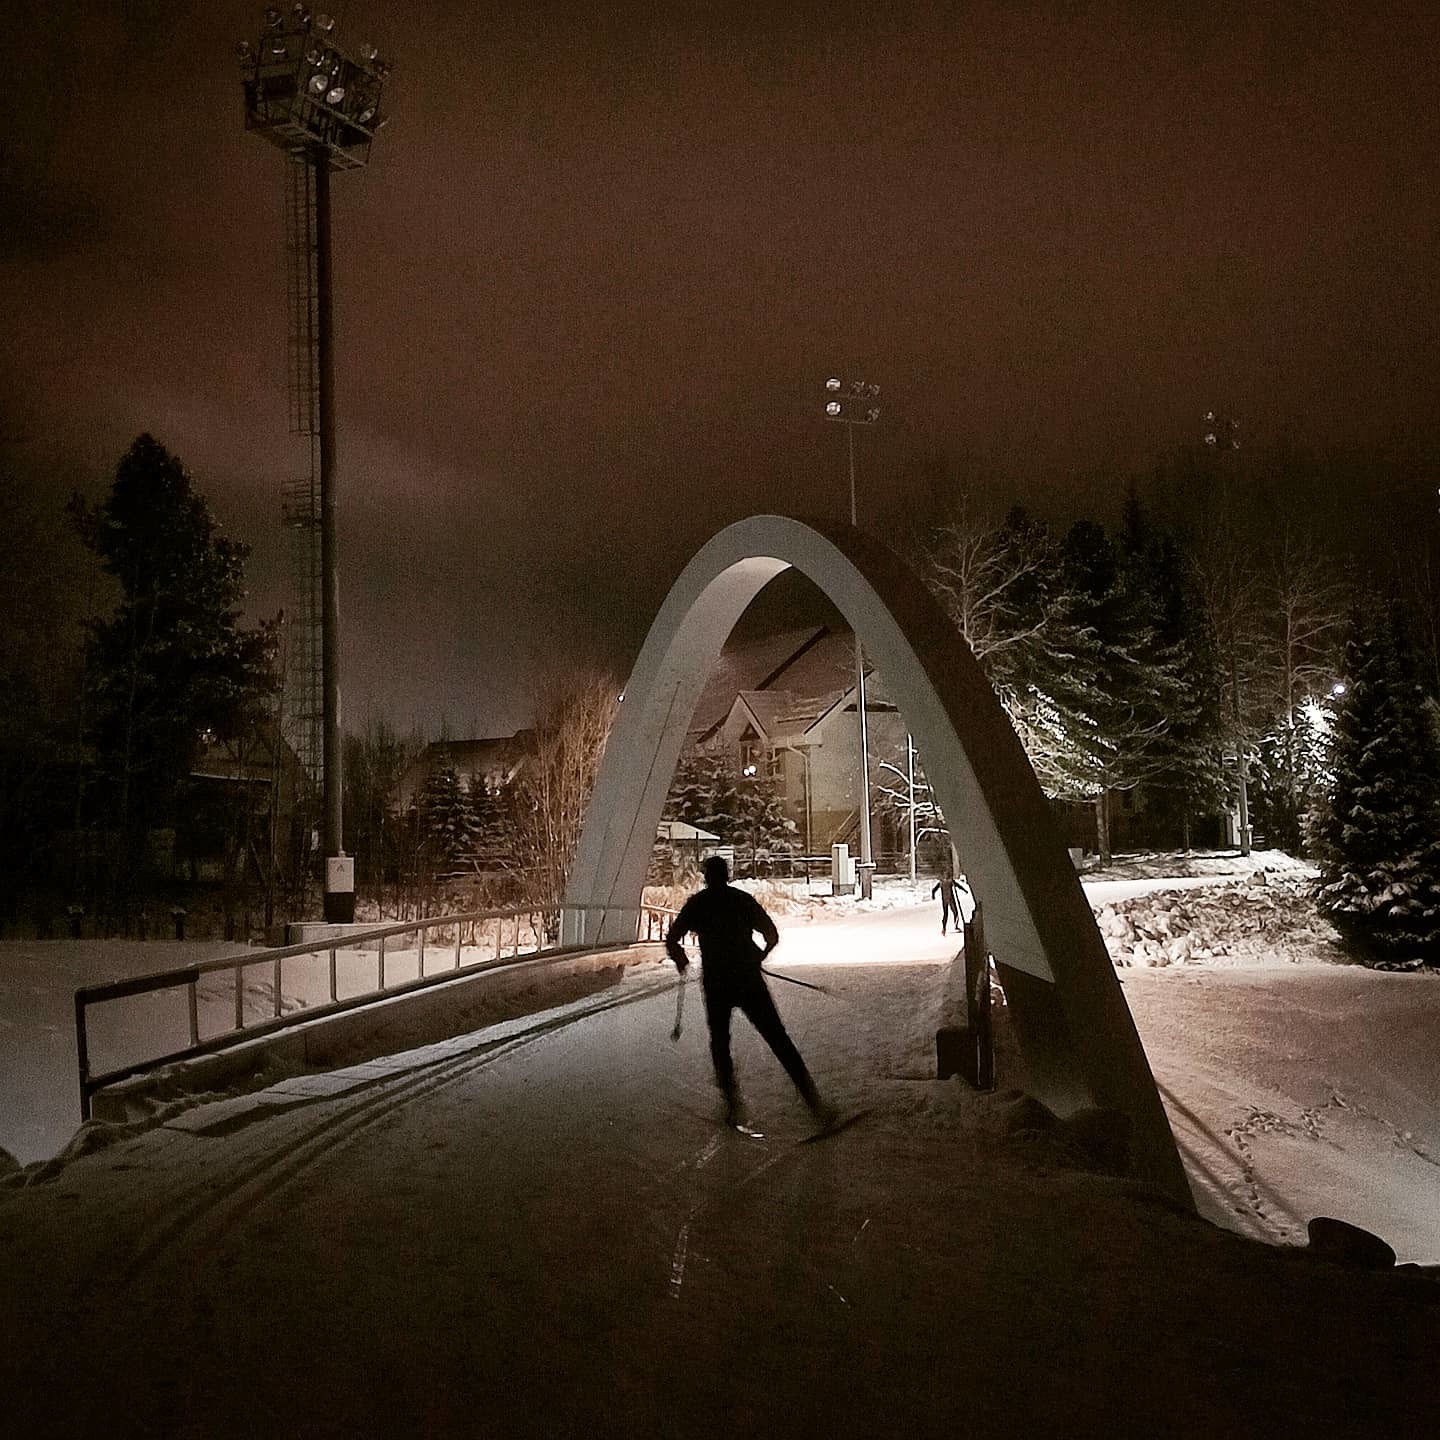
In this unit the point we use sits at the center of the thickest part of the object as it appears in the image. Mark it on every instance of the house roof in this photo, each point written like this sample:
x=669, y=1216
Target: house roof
x=751, y=665
x=495, y=756
x=478, y=757
x=804, y=665
x=781, y=716
x=769, y=708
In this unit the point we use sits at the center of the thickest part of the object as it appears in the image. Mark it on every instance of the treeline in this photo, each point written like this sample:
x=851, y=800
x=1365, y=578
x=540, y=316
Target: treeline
x=472, y=841
x=146, y=782
x=1212, y=648
x=1213, y=651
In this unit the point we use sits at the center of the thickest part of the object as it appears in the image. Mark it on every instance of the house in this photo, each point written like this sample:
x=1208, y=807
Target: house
x=248, y=801
x=785, y=707
x=783, y=704
x=493, y=761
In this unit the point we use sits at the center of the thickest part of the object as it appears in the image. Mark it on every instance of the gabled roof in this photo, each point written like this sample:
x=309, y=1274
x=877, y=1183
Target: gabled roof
x=768, y=708
x=877, y=701
x=496, y=757
x=806, y=664
x=751, y=665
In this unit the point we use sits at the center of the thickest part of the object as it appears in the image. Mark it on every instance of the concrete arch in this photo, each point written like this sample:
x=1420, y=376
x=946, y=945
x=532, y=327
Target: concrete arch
x=1079, y=1042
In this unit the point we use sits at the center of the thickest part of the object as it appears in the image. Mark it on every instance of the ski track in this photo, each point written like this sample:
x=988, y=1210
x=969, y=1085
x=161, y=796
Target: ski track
x=198, y=1212
x=713, y=1197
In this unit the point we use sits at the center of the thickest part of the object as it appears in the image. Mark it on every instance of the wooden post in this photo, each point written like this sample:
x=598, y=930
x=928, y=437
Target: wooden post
x=980, y=1053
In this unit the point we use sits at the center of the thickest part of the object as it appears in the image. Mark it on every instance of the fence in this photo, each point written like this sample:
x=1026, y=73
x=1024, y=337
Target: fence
x=540, y=924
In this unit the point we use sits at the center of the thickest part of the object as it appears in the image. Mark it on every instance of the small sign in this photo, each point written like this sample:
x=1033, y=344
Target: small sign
x=339, y=874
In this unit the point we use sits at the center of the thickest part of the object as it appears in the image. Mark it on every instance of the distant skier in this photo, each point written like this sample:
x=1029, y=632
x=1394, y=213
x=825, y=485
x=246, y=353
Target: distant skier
x=726, y=921
x=949, y=893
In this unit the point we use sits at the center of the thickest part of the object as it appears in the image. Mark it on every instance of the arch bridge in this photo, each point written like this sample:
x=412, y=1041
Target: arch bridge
x=1077, y=1038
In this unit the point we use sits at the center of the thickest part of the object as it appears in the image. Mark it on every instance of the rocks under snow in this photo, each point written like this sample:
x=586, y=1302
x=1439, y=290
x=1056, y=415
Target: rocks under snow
x=1252, y=920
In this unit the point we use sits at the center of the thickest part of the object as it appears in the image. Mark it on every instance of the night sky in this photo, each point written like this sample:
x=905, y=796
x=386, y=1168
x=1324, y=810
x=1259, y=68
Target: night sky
x=606, y=254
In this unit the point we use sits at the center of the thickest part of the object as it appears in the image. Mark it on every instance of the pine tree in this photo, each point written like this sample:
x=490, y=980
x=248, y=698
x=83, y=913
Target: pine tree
x=490, y=808
x=172, y=662
x=447, y=818
x=744, y=811
x=1378, y=832
x=1184, y=759
x=1099, y=700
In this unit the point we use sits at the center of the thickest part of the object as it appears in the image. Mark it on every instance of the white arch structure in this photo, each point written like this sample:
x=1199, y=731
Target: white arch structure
x=1079, y=1043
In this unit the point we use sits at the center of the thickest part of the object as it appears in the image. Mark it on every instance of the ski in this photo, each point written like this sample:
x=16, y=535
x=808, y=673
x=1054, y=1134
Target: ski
x=841, y=1122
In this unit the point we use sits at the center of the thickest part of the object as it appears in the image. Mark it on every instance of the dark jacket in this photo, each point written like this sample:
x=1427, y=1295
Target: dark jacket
x=725, y=920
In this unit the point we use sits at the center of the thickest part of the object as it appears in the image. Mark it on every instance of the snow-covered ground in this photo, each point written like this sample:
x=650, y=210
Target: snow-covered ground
x=538, y=1230
x=39, y=1095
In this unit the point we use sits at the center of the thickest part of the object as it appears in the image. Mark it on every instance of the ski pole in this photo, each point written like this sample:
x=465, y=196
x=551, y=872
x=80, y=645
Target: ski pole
x=804, y=984
x=679, y=1008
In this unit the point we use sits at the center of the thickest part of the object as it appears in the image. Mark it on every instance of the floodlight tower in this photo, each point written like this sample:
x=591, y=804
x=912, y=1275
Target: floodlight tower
x=320, y=105
x=854, y=405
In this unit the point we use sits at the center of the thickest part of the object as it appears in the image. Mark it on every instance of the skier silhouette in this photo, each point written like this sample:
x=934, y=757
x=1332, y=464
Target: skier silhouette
x=949, y=893
x=726, y=921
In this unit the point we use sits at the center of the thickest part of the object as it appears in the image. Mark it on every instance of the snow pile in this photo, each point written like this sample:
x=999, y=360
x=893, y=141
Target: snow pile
x=1265, y=919
x=1167, y=865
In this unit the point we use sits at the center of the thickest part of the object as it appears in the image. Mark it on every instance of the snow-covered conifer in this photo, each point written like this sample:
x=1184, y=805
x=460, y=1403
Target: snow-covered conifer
x=1378, y=832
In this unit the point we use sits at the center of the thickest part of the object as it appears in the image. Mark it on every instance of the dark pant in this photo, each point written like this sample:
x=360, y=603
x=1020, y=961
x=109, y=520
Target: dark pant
x=751, y=996
x=949, y=911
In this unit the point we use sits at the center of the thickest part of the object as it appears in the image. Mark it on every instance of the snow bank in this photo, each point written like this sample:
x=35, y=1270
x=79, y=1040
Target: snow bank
x=1264, y=919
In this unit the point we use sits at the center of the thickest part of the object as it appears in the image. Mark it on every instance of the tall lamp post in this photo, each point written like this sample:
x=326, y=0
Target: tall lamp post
x=851, y=405
x=320, y=105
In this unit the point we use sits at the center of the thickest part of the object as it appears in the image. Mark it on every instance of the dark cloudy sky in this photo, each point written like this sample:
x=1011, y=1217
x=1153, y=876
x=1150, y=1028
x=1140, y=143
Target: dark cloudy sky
x=606, y=254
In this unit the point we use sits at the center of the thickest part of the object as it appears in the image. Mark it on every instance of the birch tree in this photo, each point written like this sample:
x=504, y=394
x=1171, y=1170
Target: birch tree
x=551, y=790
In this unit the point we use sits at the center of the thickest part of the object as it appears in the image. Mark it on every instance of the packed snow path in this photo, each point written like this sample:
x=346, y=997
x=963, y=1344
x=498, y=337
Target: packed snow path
x=539, y=1230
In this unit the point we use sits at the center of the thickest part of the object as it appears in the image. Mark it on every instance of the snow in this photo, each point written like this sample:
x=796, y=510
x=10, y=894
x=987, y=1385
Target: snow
x=537, y=1228
x=39, y=1097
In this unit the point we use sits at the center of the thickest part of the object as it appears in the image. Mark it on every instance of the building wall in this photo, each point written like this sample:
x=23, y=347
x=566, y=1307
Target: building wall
x=835, y=772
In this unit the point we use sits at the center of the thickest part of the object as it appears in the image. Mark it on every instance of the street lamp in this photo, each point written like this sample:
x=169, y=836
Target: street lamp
x=851, y=405
x=320, y=105
x=750, y=772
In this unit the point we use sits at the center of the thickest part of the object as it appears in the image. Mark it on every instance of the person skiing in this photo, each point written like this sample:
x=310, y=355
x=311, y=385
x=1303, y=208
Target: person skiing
x=726, y=921
x=949, y=893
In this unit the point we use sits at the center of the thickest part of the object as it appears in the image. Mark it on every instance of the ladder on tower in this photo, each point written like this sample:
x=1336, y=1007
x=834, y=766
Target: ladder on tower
x=300, y=498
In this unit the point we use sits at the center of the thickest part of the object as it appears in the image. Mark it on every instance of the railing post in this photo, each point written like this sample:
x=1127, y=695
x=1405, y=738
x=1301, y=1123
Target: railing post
x=459, y=935
x=277, y=988
x=239, y=997
x=334, y=995
x=194, y=1006
x=381, y=969
x=422, y=952
x=82, y=1055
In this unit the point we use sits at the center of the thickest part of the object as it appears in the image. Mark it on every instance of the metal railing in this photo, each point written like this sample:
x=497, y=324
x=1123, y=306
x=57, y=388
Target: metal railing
x=650, y=925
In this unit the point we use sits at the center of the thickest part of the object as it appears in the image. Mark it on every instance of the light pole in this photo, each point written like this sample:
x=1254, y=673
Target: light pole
x=1222, y=435
x=750, y=772
x=854, y=405
x=320, y=105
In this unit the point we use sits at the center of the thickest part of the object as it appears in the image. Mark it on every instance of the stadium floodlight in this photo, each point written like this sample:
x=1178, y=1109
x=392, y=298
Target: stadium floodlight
x=308, y=97
x=303, y=92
